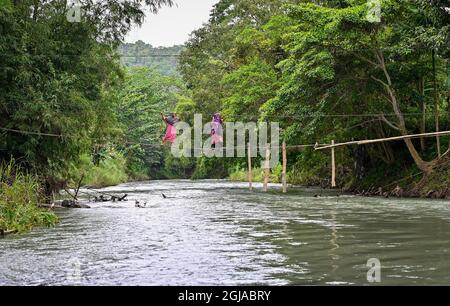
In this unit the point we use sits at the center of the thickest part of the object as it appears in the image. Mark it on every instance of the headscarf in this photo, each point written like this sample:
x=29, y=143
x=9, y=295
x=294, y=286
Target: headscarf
x=217, y=124
x=217, y=118
x=171, y=119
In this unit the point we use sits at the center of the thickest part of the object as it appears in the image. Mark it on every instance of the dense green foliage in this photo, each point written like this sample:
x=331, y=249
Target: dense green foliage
x=19, y=199
x=144, y=95
x=56, y=78
x=325, y=71
x=109, y=171
x=76, y=103
x=161, y=59
x=59, y=105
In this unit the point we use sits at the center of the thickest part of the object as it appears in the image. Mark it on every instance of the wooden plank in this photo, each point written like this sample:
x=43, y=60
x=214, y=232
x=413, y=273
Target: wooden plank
x=250, y=176
x=267, y=169
x=283, y=178
x=333, y=166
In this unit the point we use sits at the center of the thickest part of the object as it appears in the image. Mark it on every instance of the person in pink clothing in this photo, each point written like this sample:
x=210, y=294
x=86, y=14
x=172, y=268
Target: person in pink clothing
x=216, y=130
x=171, y=131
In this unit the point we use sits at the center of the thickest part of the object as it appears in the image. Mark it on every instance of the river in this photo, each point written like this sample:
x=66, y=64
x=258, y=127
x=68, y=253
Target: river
x=219, y=233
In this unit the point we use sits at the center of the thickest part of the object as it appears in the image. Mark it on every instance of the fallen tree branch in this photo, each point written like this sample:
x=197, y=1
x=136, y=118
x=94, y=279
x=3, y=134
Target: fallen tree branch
x=3, y=233
x=78, y=187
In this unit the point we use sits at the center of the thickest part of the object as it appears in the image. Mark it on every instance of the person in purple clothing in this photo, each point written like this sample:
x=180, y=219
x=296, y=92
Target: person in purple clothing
x=216, y=130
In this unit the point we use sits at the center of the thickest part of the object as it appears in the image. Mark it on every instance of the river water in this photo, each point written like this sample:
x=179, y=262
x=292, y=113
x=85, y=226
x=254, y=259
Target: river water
x=219, y=233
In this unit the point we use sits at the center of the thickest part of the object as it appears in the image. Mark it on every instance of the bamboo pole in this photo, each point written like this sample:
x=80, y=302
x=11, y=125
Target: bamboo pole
x=283, y=179
x=250, y=176
x=369, y=141
x=333, y=166
x=267, y=168
x=305, y=146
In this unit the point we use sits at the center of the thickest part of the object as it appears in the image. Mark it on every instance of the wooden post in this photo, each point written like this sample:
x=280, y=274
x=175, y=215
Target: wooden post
x=267, y=168
x=250, y=176
x=283, y=178
x=333, y=166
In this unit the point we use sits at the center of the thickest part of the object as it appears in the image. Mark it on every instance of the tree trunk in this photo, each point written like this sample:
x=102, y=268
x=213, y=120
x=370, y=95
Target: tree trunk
x=436, y=103
x=424, y=115
x=35, y=10
x=425, y=166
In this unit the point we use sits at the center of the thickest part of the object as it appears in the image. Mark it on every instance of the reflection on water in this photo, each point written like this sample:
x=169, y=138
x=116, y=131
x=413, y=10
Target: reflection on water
x=218, y=233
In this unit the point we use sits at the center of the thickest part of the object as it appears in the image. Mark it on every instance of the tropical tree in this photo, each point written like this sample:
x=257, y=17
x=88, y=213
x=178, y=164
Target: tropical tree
x=143, y=96
x=332, y=49
x=55, y=78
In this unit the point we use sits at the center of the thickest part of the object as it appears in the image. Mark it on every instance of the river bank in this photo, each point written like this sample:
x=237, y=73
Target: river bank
x=20, y=196
x=435, y=185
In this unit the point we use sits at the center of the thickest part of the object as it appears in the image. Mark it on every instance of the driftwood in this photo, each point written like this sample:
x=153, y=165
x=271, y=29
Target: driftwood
x=113, y=198
x=400, y=192
x=73, y=204
x=64, y=204
x=439, y=194
x=3, y=232
x=78, y=187
x=68, y=192
x=50, y=206
x=397, y=192
x=123, y=198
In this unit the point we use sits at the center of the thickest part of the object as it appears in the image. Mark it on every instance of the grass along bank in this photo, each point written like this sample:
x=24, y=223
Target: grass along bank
x=20, y=196
x=109, y=171
x=241, y=175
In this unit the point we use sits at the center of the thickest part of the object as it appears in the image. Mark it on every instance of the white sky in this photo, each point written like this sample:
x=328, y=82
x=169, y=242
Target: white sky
x=172, y=25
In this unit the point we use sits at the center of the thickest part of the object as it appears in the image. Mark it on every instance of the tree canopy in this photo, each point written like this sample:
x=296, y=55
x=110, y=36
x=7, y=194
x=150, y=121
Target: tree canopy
x=325, y=70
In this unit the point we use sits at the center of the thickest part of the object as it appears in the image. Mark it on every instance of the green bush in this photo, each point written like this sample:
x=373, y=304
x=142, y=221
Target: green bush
x=19, y=199
x=241, y=175
x=137, y=171
x=310, y=168
x=210, y=168
x=175, y=168
x=110, y=171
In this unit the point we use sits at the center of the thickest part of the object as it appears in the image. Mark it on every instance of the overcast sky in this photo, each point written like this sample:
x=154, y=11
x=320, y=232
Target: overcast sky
x=172, y=25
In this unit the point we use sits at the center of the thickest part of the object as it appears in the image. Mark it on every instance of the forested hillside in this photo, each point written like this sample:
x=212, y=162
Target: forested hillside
x=162, y=59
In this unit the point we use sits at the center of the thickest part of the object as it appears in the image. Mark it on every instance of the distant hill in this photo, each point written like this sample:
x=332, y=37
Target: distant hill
x=140, y=54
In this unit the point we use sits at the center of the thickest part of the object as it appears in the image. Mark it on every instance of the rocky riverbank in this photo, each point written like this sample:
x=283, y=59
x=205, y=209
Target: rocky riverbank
x=435, y=185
